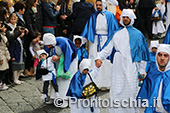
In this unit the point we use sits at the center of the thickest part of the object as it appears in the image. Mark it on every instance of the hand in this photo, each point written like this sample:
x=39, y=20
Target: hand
x=13, y=59
x=63, y=17
x=143, y=77
x=1, y=62
x=163, y=1
x=3, y=29
x=65, y=31
x=57, y=7
x=34, y=57
x=156, y=8
x=22, y=34
x=98, y=63
x=27, y=31
x=55, y=58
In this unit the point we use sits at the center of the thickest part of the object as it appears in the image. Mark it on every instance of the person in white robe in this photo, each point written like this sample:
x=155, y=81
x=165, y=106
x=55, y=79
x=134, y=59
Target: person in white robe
x=63, y=84
x=97, y=30
x=131, y=48
x=80, y=80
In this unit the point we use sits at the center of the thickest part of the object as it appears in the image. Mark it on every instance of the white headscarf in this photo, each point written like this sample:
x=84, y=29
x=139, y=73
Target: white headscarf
x=154, y=43
x=49, y=39
x=103, y=5
x=39, y=52
x=85, y=64
x=83, y=40
x=164, y=48
x=129, y=13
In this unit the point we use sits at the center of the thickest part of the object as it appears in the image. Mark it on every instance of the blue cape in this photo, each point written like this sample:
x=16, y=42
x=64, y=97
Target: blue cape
x=90, y=27
x=151, y=64
x=76, y=85
x=84, y=53
x=167, y=37
x=150, y=88
x=138, y=44
x=69, y=50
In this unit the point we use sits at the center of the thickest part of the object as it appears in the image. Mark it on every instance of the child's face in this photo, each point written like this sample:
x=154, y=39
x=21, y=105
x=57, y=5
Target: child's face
x=13, y=20
x=85, y=71
x=43, y=56
x=34, y=41
x=77, y=43
x=154, y=49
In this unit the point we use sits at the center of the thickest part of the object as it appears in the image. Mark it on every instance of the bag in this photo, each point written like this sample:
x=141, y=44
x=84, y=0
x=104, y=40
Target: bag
x=90, y=90
x=42, y=71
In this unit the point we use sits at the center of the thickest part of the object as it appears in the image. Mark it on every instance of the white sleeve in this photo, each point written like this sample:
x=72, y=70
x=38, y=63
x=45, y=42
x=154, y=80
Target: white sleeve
x=106, y=51
x=31, y=50
x=113, y=2
x=142, y=67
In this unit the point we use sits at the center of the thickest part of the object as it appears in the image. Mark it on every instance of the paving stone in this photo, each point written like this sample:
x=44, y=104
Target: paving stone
x=5, y=109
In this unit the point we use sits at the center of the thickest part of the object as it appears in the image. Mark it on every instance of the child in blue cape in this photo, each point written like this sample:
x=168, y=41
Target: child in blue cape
x=151, y=64
x=81, y=51
x=79, y=80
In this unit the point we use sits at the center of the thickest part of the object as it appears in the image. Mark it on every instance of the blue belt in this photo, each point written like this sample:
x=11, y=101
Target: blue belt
x=53, y=77
x=99, y=40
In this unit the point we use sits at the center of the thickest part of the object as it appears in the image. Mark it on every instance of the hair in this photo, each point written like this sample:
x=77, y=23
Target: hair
x=37, y=34
x=78, y=39
x=30, y=3
x=3, y=12
x=66, y=1
x=19, y=6
x=12, y=15
x=99, y=0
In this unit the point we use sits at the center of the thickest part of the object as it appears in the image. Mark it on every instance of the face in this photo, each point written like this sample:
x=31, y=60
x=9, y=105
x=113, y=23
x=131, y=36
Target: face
x=42, y=56
x=99, y=6
x=35, y=3
x=21, y=12
x=85, y=71
x=126, y=20
x=162, y=59
x=77, y=43
x=13, y=20
x=154, y=49
x=49, y=46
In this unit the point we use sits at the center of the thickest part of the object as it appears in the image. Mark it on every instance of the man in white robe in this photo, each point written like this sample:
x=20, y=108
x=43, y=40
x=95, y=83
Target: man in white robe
x=131, y=48
x=97, y=30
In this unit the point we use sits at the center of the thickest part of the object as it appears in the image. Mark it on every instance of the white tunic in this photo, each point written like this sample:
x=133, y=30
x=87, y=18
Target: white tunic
x=48, y=64
x=168, y=15
x=74, y=108
x=158, y=27
x=63, y=84
x=124, y=75
x=103, y=80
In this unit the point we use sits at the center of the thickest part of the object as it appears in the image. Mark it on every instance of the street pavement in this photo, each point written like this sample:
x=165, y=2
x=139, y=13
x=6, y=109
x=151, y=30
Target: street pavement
x=25, y=98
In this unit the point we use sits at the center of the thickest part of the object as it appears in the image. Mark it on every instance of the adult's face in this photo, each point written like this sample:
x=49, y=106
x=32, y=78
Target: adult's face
x=162, y=59
x=126, y=20
x=35, y=3
x=99, y=6
x=21, y=12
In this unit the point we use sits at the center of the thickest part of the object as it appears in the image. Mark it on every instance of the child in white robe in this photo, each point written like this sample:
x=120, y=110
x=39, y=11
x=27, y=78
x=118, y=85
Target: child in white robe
x=47, y=63
x=79, y=80
x=157, y=26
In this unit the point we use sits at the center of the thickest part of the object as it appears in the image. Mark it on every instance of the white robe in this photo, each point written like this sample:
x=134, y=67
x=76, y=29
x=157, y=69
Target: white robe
x=48, y=64
x=103, y=80
x=74, y=107
x=124, y=75
x=63, y=84
x=168, y=15
x=158, y=27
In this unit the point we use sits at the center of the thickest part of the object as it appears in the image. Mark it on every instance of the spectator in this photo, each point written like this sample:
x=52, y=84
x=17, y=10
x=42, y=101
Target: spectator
x=50, y=13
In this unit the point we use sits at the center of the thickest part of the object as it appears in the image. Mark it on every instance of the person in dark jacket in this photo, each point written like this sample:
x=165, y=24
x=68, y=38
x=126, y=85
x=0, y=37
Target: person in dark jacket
x=145, y=13
x=50, y=13
x=81, y=13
